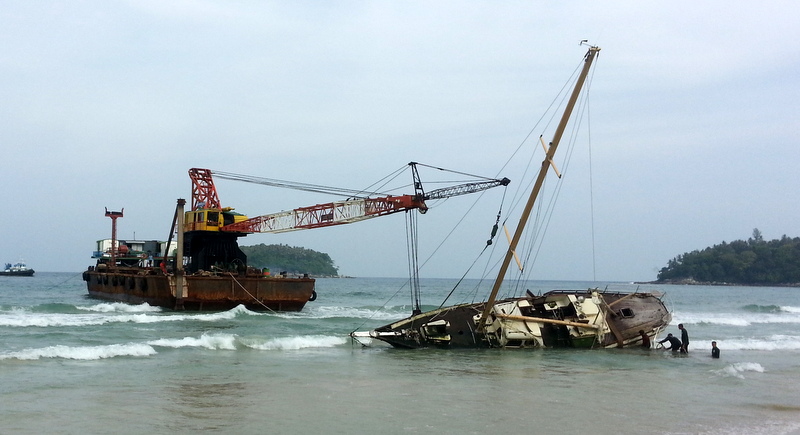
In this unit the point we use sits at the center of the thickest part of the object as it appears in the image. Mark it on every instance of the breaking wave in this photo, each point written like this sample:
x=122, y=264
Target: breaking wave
x=785, y=315
x=82, y=352
x=106, y=313
x=737, y=369
x=299, y=342
x=332, y=312
x=755, y=308
x=232, y=342
x=119, y=307
x=773, y=342
x=207, y=341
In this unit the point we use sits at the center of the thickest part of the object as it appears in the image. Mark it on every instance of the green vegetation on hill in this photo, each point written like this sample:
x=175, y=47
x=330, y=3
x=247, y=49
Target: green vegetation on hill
x=291, y=259
x=751, y=262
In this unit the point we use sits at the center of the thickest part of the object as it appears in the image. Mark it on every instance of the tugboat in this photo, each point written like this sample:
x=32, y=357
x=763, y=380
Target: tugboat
x=16, y=269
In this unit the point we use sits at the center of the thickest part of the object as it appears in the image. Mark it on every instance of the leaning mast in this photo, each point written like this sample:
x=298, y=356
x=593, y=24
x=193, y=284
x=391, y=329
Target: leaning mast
x=548, y=161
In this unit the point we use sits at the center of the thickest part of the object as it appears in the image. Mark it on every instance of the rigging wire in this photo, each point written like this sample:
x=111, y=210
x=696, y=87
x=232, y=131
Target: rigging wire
x=523, y=188
x=533, y=242
x=387, y=179
x=489, y=242
x=291, y=185
x=378, y=188
x=412, y=238
x=521, y=193
x=374, y=189
x=454, y=172
x=549, y=210
x=543, y=214
x=535, y=126
x=591, y=172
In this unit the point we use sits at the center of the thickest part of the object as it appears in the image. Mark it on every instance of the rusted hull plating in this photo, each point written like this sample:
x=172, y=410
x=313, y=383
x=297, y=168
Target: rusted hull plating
x=202, y=292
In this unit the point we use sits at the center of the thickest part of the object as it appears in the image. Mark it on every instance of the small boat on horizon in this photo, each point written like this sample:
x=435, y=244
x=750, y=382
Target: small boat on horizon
x=16, y=269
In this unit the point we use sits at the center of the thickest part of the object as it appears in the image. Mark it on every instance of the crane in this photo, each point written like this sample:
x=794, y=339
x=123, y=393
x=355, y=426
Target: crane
x=204, y=196
x=211, y=230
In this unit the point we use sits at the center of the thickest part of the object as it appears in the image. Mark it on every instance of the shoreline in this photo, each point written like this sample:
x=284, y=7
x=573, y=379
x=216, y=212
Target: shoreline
x=690, y=281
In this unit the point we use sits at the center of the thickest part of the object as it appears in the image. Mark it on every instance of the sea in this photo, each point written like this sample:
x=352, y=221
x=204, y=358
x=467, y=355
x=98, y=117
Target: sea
x=71, y=364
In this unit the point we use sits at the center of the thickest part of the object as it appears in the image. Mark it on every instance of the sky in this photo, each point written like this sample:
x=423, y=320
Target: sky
x=691, y=134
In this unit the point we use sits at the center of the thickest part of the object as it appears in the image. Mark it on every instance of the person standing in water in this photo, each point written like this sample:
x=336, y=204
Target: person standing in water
x=684, y=338
x=714, y=350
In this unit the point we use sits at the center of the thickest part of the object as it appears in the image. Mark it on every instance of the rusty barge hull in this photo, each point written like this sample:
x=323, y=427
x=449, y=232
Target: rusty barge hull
x=202, y=292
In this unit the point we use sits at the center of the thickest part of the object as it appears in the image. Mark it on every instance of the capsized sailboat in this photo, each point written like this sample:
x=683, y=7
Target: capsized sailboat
x=561, y=318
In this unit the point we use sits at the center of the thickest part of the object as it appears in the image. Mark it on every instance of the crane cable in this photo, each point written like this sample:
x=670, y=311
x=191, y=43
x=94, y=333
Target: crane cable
x=375, y=189
x=488, y=243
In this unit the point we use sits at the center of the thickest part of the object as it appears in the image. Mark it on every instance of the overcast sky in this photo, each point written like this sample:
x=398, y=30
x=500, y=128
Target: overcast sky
x=693, y=109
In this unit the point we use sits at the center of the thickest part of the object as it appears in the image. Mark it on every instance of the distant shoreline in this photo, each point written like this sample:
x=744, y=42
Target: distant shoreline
x=689, y=281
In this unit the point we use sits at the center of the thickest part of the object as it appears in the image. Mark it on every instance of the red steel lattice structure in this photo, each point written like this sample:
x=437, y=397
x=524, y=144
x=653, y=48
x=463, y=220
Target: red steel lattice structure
x=204, y=193
x=204, y=196
x=329, y=214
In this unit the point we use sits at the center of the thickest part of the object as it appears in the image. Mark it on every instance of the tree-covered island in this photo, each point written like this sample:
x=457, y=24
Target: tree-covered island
x=290, y=259
x=751, y=262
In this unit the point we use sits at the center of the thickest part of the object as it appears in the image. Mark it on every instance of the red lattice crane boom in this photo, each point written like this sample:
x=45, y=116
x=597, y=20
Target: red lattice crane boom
x=204, y=197
x=329, y=214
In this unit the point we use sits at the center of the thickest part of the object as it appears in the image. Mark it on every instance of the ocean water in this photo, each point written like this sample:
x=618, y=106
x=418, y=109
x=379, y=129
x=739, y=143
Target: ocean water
x=74, y=365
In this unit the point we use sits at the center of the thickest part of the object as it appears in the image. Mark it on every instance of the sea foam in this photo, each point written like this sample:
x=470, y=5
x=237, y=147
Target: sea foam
x=784, y=316
x=299, y=342
x=737, y=369
x=82, y=352
x=772, y=342
x=330, y=312
x=207, y=341
x=106, y=313
x=118, y=307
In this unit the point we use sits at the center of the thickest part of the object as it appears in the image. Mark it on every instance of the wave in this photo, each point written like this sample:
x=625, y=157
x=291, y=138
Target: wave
x=755, y=308
x=115, y=307
x=106, y=313
x=82, y=352
x=207, y=341
x=784, y=316
x=736, y=369
x=299, y=342
x=27, y=319
x=233, y=342
x=770, y=343
x=119, y=307
x=333, y=312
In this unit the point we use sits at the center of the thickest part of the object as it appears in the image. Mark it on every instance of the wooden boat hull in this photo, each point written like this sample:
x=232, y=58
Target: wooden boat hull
x=202, y=292
x=559, y=319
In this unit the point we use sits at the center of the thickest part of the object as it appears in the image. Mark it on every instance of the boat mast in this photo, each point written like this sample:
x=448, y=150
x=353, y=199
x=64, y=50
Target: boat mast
x=548, y=161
